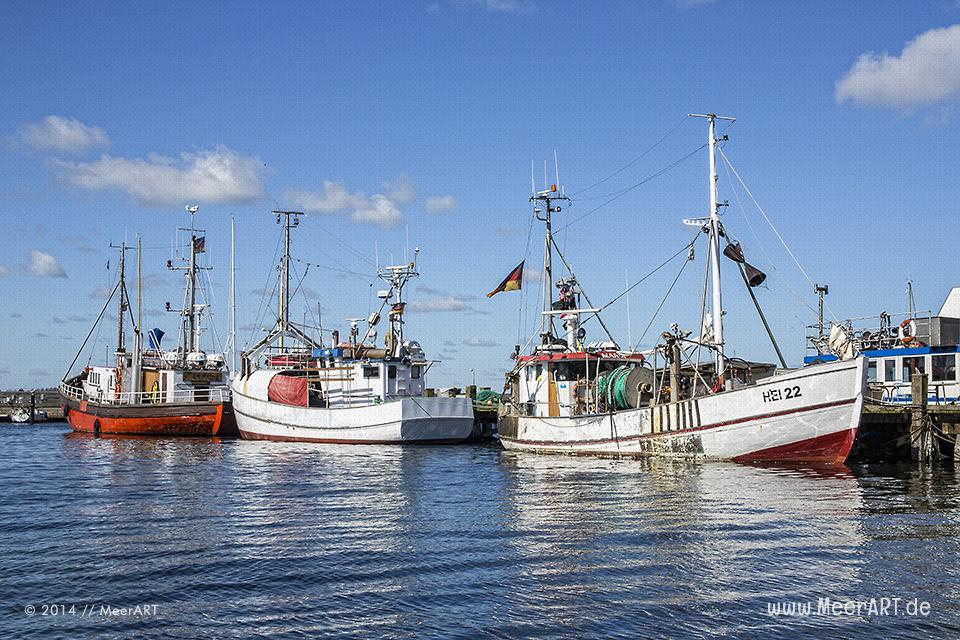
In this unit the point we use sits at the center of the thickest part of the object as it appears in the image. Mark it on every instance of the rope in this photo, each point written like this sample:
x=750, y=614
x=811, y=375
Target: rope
x=770, y=222
x=635, y=160
x=631, y=188
x=660, y=306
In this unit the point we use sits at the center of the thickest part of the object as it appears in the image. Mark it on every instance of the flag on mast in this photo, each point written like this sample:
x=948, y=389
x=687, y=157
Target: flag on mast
x=512, y=282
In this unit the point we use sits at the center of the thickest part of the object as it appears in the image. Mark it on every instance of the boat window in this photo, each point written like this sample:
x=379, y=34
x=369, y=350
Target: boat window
x=392, y=371
x=889, y=370
x=371, y=372
x=912, y=366
x=872, y=371
x=944, y=368
x=415, y=371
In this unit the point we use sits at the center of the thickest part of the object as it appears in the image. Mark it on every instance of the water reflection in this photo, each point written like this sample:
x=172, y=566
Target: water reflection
x=238, y=538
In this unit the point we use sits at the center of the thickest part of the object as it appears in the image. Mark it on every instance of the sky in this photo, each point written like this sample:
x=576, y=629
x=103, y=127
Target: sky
x=396, y=125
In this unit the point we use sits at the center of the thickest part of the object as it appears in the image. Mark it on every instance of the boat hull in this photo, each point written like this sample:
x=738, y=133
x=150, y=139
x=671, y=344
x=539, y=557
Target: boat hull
x=414, y=420
x=810, y=415
x=174, y=419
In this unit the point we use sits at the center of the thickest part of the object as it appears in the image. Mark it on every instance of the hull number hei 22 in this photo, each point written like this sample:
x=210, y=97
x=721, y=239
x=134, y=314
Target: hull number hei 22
x=775, y=395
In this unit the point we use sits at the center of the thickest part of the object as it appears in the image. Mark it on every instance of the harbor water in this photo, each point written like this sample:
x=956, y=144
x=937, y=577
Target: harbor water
x=185, y=538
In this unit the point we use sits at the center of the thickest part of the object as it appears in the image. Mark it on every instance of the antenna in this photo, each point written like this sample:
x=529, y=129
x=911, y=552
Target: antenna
x=533, y=181
x=556, y=167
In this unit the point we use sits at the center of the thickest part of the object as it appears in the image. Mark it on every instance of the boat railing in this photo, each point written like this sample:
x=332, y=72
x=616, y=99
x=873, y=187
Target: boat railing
x=213, y=394
x=873, y=332
x=902, y=392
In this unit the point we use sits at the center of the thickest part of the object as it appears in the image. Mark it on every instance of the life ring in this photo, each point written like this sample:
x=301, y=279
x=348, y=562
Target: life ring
x=907, y=333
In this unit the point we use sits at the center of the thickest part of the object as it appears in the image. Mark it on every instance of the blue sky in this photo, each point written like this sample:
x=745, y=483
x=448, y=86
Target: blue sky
x=420, y=119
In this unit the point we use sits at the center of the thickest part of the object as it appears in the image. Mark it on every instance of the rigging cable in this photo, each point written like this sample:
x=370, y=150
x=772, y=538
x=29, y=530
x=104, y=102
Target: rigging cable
x=635, y=160
x=624, y=192
x=769, y=222
x=261, y=310
x=767, y=258
x=662, y=302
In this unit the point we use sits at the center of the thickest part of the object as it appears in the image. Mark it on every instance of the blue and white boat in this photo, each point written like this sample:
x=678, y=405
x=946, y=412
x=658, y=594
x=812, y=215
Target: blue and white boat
x=897, y=346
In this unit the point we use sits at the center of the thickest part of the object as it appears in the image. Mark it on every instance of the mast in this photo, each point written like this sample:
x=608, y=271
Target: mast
x=233, y=298
x=282, y=327
x=715, y=230
x=121, y=349
x=547, y=198
x=291, y=219
x=137, y=336
x=191, y=339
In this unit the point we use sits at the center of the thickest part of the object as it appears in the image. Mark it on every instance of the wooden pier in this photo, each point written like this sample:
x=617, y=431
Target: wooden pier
x=919, y=432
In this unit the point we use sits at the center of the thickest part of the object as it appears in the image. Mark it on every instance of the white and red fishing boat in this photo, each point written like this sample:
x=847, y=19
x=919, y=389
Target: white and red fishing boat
x=150, y=391
x=351, y=392
x=572, y=397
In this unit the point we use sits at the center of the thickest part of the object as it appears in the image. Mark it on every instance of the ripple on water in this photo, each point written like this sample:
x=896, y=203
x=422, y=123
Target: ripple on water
x=240, y=539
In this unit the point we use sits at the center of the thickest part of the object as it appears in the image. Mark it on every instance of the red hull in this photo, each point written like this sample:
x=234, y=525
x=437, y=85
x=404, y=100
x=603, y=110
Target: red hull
x=152, y=420
x=832, y=448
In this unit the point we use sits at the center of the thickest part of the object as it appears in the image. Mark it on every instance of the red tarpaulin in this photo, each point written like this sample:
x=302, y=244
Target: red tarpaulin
x=288, y=390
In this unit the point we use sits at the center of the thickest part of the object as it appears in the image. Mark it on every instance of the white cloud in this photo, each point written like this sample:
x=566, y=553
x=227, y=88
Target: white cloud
x=690, y=4
x=59, y=134
x=493, y=6
x=927, y=71
x=210, y=176
x=380, y=211
x=401, y=190
x=335, y=198
x=376, y=209
x=480, y=342
x=43, y=264
x=438, y=204
x=439, y=303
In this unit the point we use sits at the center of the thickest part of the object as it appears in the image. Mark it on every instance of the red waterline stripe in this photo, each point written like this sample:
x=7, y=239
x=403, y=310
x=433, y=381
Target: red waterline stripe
x=715, y=425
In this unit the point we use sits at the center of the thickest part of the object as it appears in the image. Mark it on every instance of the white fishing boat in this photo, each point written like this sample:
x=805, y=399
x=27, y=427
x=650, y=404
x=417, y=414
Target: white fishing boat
x=570, y=396
x=350, y=392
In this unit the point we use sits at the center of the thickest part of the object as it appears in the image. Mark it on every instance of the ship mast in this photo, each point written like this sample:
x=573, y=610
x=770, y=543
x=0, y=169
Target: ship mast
x=282, y=327
x=290, y=219
x=121, y=347
x=190, y=332
x=715, y=231
x=191, y=311
x=546, y=199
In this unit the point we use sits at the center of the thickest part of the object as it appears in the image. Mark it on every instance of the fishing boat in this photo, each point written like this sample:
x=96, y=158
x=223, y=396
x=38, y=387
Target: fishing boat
x=148, y=390
x=351, y=391
x=577, y=397
x=898, y=346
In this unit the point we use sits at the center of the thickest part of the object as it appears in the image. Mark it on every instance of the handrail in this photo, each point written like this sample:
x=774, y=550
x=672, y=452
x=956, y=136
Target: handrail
x=215, y=394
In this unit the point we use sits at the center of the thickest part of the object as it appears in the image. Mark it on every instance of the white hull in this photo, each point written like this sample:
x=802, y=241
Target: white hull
x=397, y=421
x=810, y=415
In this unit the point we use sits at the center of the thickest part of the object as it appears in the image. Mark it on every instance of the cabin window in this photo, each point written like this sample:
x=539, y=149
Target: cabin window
x=912, y=366
x=539, y=371
x=872, y=371
x=415, y=372
x=889, y=370
x=944, y=368
x=392, y=371
x=371, y=372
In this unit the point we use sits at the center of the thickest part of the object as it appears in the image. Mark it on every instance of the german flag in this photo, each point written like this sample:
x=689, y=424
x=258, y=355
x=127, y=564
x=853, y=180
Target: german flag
x=511, y=283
